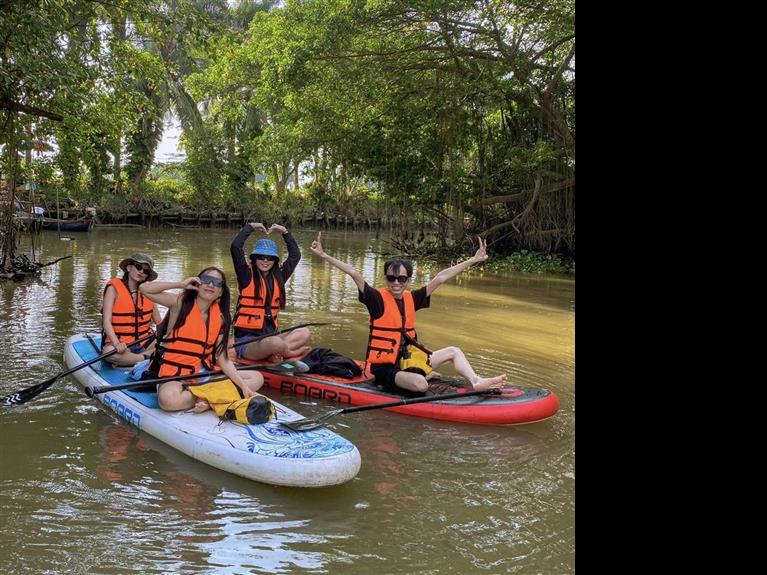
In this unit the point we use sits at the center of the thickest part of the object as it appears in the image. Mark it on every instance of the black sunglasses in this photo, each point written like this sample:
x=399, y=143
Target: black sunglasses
x=400, y=279
x=214, y=281
x=268, y=258
x=142, y=268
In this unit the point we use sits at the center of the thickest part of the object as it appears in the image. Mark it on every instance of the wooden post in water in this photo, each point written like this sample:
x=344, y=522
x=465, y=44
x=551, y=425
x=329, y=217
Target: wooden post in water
x=58, y=215
x=30, y=187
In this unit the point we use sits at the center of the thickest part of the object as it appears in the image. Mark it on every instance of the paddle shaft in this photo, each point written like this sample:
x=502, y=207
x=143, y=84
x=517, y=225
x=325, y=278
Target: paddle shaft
x=416, y=400
x=310, y=423
x=278, y=332
x=92, y=391
x=103, y=356
x=26, y=394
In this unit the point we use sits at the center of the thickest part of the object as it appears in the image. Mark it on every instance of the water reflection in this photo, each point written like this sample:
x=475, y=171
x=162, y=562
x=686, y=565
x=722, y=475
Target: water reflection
x=86, y=495
x=195, y=524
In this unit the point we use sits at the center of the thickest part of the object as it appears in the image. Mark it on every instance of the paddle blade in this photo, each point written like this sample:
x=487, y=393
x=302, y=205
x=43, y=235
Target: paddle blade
x=301, y=424
x=23, y=396
x=309, y=423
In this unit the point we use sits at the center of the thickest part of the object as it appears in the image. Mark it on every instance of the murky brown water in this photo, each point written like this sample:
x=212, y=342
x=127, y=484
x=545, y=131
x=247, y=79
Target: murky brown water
x=84, y=494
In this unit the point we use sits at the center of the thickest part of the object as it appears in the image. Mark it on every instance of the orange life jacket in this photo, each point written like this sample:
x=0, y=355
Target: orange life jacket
x=130, y=320
x=251, y=311
x=385, y=340
x=187, y=349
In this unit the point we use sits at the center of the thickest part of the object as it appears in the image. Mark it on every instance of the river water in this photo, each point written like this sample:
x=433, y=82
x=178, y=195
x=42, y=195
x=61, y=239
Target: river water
x=83, y=493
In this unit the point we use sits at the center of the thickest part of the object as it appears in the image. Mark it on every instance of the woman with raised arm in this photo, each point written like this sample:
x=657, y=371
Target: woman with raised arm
x=261, y=288
x=195, y=337
x=393, y=349
x=126, y=314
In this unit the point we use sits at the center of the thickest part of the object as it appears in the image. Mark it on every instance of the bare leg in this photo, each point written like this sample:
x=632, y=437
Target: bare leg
x=296, y=342
x=253, y=379
x=124, y=359
x=463, y=367
x=173, y=397
x=272, y=347
x=411, y=381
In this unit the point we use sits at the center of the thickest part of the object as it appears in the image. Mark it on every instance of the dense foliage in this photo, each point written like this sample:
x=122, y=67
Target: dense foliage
x=459, y=114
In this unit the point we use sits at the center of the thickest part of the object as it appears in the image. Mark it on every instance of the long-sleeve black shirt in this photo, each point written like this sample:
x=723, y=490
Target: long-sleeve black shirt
x=245, y=273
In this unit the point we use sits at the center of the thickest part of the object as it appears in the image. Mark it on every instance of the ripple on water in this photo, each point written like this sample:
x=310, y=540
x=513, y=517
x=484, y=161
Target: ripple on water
x=88, y=495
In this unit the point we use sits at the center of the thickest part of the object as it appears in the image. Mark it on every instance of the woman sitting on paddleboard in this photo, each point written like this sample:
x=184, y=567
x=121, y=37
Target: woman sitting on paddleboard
x=261, y=288
x=195, y=338
x=127, y=314
x=397, y=359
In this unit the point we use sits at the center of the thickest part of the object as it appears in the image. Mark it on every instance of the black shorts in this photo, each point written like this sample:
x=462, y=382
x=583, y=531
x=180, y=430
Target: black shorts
x=384, y=374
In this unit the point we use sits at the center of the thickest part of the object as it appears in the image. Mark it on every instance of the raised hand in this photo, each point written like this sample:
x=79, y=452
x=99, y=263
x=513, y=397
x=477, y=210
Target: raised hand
x=193, y=283
x=258, y=226
x=481, y=254
x=277, y=228
x=316, y=246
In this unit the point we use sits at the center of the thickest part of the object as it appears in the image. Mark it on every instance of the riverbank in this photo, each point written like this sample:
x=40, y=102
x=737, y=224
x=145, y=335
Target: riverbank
x=425, y=245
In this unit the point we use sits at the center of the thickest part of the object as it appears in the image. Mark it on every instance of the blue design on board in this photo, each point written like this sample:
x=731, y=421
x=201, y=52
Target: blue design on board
x=275, y=440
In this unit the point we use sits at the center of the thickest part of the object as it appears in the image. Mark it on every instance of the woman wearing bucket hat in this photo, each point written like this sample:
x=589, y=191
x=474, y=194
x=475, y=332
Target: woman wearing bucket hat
x=127, y=314
x=261, y=287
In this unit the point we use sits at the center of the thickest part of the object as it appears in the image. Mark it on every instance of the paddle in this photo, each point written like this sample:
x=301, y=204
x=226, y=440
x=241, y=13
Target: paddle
x=25, y=395
x=309, y=423
x=278, y=332
x=285, y=366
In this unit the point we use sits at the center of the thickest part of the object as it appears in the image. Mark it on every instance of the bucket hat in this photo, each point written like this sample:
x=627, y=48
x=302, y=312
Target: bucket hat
x=140, y=258
x=265, y=247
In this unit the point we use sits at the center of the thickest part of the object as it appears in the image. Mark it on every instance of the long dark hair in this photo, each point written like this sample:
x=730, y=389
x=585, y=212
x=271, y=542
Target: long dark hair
x=276, y=271
x=188, y=299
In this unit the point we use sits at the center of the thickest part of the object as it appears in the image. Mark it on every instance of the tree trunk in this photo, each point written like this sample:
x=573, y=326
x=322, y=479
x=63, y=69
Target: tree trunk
x=117, y=165
x=118, y=37
x=9, y=237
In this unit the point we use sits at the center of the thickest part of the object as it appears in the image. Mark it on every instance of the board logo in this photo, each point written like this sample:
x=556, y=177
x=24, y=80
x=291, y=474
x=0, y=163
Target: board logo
x=126, y=413
x=312, y=392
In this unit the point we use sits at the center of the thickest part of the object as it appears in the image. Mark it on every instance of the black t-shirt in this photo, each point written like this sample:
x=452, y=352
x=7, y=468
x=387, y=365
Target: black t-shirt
x=374, y=301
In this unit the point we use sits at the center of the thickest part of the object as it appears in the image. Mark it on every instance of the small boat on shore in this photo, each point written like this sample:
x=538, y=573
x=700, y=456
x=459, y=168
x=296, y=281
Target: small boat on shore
x=81, y=225
x=515, y=405
x=269, y=452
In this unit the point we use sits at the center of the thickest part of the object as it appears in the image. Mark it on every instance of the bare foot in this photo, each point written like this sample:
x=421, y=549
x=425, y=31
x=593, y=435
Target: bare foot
x=433, y=375
x=200, y=406
x=490, y=382
x=298, y=354
x=303, y=351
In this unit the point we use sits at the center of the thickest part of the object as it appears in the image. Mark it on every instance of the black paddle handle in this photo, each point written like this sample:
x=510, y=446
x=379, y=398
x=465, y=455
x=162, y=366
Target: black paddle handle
x=93, y=391
x=102, y=356
x=419, y=400
x=278, y=332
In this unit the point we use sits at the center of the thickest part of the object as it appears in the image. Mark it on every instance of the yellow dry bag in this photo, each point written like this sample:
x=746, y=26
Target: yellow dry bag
x=224, y=398
x=416, y=360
